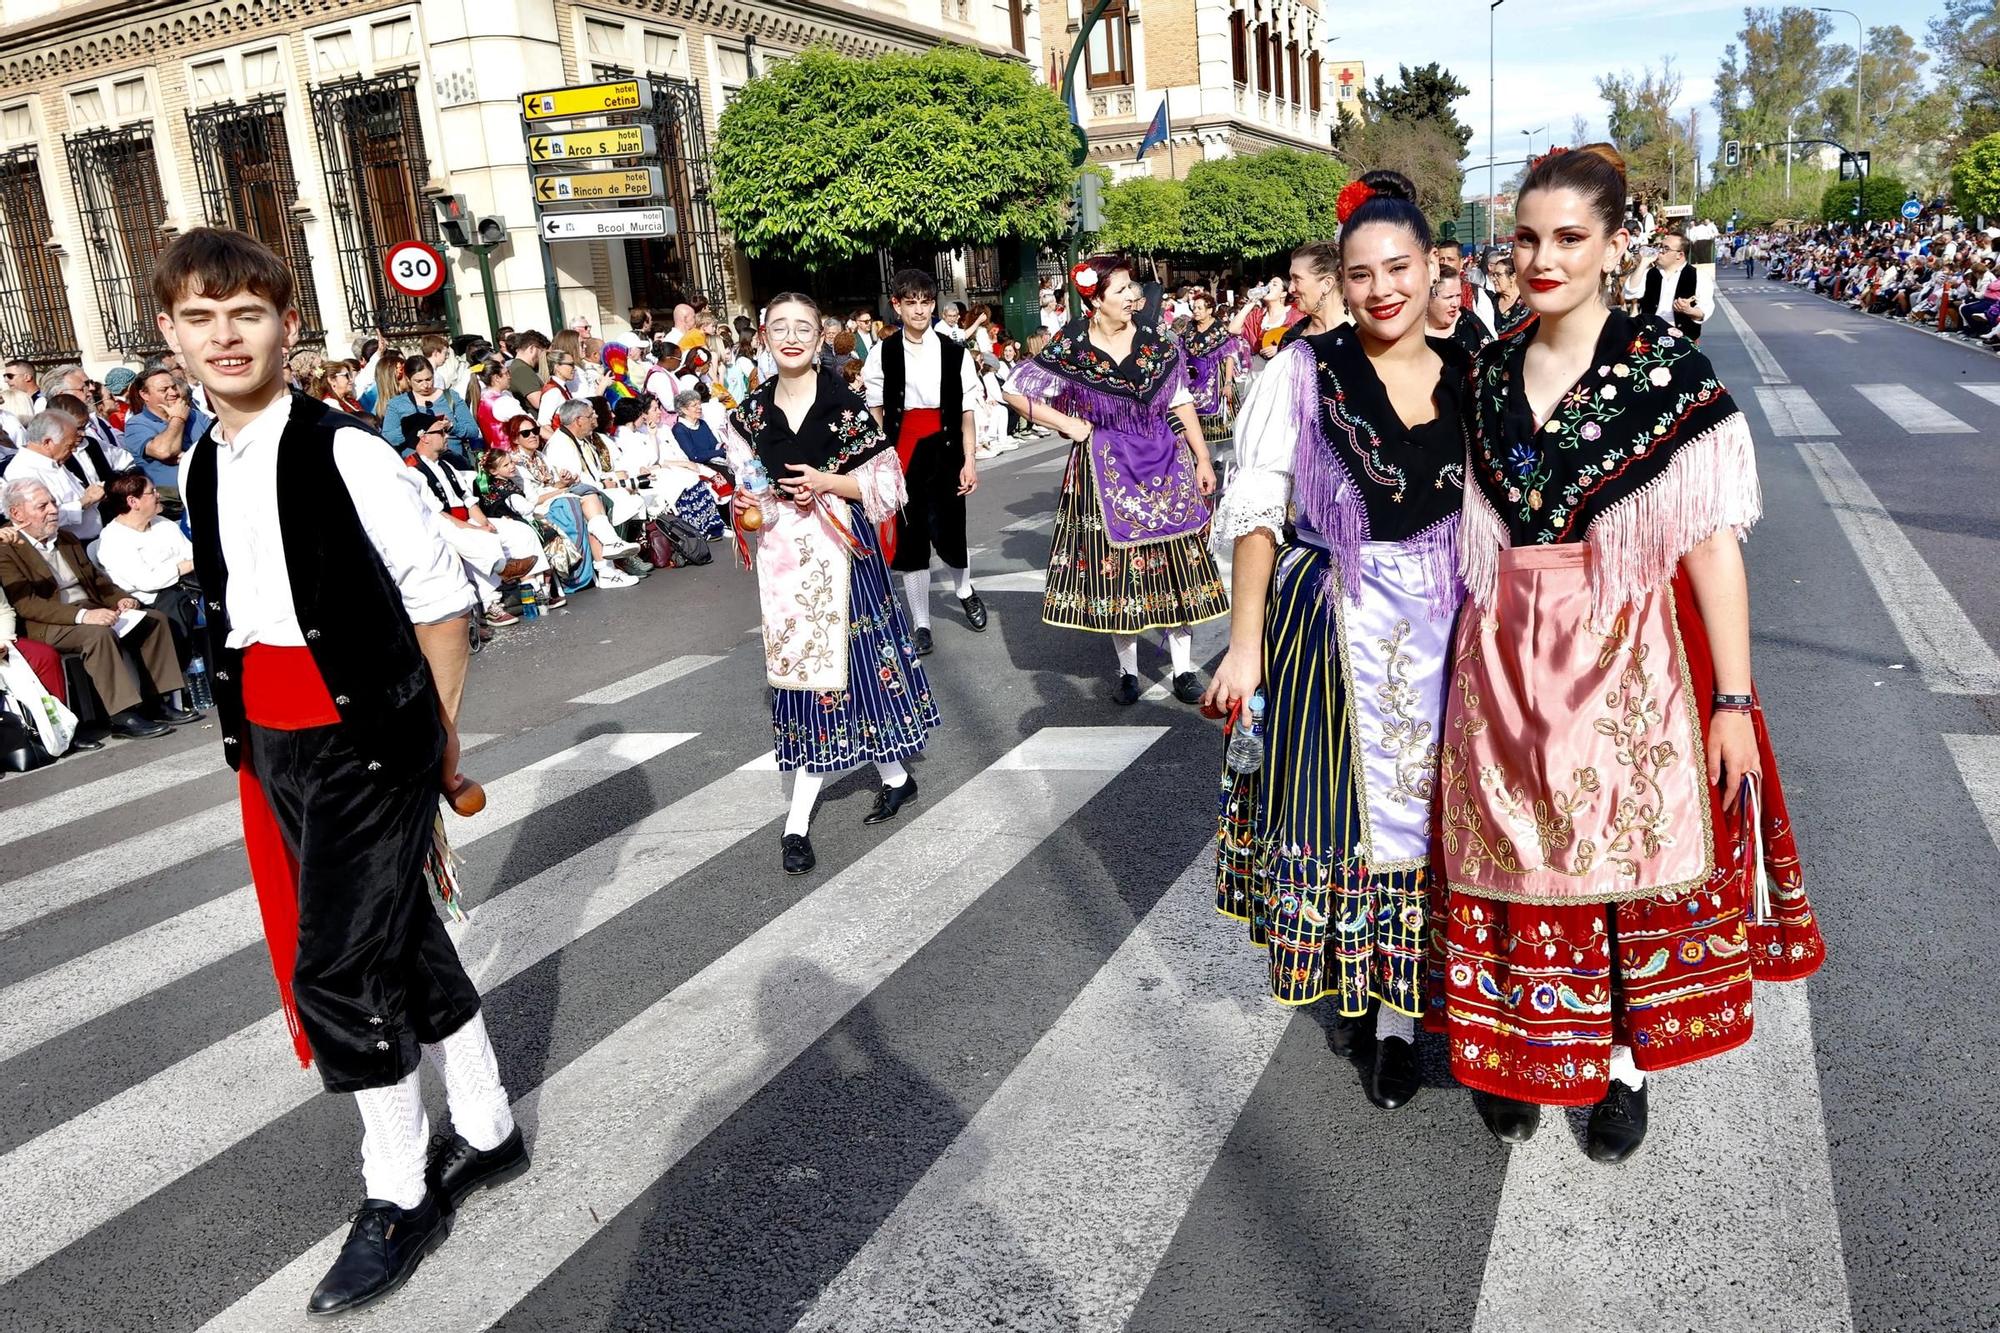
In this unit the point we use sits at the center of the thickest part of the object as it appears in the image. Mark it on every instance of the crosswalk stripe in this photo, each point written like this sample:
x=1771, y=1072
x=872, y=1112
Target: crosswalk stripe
x=1952, y=655
x=1978, y=760
x=1792, y=411
x=1580, y=1246
x=610, y=1123
x=1990, y=392
x=618, y=691
x=1016, y=457
x=89, y=799
x=1916, y=414
x=115, y=1154
x=93, y=984
x=1210, y=638
x=1081, y=1164
x=1020, y=580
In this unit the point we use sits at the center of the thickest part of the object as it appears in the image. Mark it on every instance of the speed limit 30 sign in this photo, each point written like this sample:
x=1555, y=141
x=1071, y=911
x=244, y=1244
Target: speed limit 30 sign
x=413, y=268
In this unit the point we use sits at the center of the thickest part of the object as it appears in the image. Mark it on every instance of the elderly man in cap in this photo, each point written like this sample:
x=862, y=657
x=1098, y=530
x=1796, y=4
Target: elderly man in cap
x=63, y=600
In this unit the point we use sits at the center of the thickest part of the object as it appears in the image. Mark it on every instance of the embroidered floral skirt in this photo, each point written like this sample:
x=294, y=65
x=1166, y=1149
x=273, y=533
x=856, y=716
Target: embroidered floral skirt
x=1533, y=995
x=1286, y=858
x=697, y=508
x=1102, y=588
x=887, y=707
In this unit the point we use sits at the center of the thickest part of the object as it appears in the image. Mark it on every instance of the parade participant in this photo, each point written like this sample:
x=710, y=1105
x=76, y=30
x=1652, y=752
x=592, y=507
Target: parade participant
x=337, y=629
x=1608, y=797
x=846, y=686
x=1214, y=356
x=1315, y=291
x=1509, y=310
x=923, y=388
x=1447, y=316
x=1343, y=514
x=1672, y=286
x=1129, y=552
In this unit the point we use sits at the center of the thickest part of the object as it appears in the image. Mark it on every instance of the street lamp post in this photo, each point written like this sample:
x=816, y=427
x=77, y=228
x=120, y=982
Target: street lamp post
x=1860, y=40
x=1490, y=121
x=1531, y=139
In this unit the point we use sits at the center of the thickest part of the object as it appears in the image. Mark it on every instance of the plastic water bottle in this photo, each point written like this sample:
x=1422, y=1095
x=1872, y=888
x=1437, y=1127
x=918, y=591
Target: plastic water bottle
x=199, y=693
x=531, y=605
x=1246, y=743
x=755, y=482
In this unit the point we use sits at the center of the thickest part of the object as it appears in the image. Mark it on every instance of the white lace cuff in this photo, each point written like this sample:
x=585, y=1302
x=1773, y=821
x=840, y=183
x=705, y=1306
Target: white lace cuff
x=1254, y=500
x=882, y=490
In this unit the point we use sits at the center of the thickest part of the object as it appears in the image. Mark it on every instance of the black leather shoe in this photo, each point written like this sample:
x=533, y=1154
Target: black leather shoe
x=177, y=717
x=135, y=726
x=922, y=638
x=799, y=856
x=1617, y=1124
x=1347, y=1033
x=80, y=742
x=1510, y=1121
x=1126, y=691
x=456, y=1168
x=975, y=611
x=384, y=1246
x=1187, y=687
x=1394, y=1078
x=891, y=799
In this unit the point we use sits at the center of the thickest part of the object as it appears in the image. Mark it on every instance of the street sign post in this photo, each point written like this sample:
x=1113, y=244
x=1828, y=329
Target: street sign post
x=600, y=186
x=413, y=268
x=1912, y=209
x=590, y=99
x=615, y=141
x=621, y=224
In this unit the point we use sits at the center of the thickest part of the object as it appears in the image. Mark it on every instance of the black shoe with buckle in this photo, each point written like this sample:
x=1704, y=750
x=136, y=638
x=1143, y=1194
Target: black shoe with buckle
x=176, y=717
x=890, y=800
x=1394, y=1078
x=798, y=851
x=975, y=611
x=1512, y=1122
x=1125, y=691
x=384, y=1246
x=1617, y=1124
x=456, y=1168
x=922, y=638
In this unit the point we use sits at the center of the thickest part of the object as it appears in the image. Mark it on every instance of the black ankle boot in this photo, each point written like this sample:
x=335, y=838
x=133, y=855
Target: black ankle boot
x=1617, y=1124
x=1393, y=1079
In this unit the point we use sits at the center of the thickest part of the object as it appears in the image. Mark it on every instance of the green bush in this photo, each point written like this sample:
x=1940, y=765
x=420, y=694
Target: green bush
x=1975, y=177
x=1883, y=199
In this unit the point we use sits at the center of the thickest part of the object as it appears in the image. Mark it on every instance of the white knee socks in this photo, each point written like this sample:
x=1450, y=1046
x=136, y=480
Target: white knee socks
x=917, y=591
x=893, y=773
x=1127, y=648
x=805, y=790
x=1624, y=1070
x=961, y=582
x=1180, y=646
x=395, y=1133
x=1392, y=1023
x=472, y=1088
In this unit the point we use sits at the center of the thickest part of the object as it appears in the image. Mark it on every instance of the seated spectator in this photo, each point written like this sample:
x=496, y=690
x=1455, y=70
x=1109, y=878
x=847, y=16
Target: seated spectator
x=693, y=434
x=524, y=376
x=63, y=600
x=500, y=499
x=467, y=529
x=302, y=365
x=334, y=386
x=150, y=557
x=388, y=382
x=97, y=457
x=498, y=407
x=544, y=485
x=161, y=423
x=563, y=381
x=576, y=451
x=117, y=384
x=47, y=441
x=644, y=447
x=464, y=440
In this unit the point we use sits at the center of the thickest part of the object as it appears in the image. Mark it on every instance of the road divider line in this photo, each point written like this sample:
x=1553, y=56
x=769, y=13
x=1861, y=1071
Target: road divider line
x=1916, y=414
x=609, y=1124
x=1951, y=654
x=1760, y=355
x=618, y=691
x=1978, y=760
x=1080, y=1166
x=81, y=1174
x=50, y=1003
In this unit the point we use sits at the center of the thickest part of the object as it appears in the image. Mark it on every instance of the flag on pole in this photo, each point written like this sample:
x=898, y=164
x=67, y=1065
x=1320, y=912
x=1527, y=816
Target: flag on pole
x=1156, y=133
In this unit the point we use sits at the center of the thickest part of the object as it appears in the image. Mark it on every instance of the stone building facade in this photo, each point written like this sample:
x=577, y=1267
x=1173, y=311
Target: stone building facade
x=328, y=127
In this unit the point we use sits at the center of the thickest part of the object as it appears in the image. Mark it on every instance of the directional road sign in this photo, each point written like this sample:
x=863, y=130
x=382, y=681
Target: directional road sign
x=621, y=224
x=1912, y=209
x=616, y=141
x=413, y=268
x=599, y=186
x=590, y=99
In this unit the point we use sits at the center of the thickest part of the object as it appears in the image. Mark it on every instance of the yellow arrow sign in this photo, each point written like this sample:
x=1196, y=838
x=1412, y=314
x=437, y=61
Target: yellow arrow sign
x=638, y=183
x=590, y=99
x=619, y=141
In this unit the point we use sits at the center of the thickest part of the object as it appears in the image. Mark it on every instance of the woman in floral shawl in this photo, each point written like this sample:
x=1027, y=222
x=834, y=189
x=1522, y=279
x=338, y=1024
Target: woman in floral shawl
x=1129, y=553
x=1609, y=804
x=846, y=687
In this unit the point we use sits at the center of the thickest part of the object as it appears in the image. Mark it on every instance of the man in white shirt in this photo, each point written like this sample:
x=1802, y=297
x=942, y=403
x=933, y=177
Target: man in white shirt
x=47, y=441
x=337, y=632
x=1673, y=288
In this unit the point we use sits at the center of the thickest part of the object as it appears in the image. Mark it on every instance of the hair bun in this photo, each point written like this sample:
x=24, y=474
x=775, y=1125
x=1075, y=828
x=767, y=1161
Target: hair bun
x=1386, y=184
x=1606, y=153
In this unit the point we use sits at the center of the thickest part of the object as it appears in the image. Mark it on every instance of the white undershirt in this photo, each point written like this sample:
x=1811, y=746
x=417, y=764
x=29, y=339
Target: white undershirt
x=922, y=382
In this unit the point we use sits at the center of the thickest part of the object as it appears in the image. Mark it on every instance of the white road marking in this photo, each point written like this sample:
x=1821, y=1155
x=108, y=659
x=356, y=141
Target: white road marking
x=1016, y=457
x=90, y=800
x=618, y=691
x=1990, y=392
x=1760, y=355
x=1210, y=638
x=1792, y=411
x=1950, y=652
x=84, y=1172
x=1074, y=1175
x=610, y=1123
x=1978, y=760
x=1916, y=414
x=50, y=1003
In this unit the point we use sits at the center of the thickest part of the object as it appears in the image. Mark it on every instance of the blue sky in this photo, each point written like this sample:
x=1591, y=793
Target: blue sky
x=1548, y=54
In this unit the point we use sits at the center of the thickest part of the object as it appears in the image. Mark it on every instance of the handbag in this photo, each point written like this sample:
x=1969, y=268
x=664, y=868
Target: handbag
x=669, y=542
x=47, y=722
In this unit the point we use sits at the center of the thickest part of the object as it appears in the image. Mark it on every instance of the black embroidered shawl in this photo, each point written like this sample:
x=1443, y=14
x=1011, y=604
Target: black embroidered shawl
x=838, y=433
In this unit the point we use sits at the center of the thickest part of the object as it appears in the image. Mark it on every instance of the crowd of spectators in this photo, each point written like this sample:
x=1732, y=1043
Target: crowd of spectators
x=1937, y=272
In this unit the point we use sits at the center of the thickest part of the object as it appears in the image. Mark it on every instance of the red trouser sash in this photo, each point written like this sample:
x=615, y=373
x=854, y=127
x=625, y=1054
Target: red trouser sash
x=282, y=691
x=919, y=423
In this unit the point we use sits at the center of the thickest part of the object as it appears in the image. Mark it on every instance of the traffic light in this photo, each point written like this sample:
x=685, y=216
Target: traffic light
x=1732, y=153
x=454, y=219
x=1090, y=216
x=490, y=229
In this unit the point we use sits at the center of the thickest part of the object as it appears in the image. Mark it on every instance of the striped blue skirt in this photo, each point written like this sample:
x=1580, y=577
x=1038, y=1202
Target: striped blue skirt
x=697, y=508
x=1289, y=838
x=886, y=709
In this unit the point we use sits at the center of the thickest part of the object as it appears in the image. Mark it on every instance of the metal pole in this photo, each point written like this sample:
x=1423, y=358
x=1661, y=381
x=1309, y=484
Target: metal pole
x=549, y=289
x=486, y=280
x=1490, y=120
x=1081, y=154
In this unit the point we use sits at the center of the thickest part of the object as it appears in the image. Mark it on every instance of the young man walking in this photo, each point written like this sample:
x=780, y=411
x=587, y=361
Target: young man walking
x=337, y=635
x=925, y=391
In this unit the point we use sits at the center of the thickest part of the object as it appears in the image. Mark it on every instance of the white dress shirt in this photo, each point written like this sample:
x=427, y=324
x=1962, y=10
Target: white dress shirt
x=74, y=516
x=143, y=563
x=922, y=377
x=109, y=439
x=386, y=495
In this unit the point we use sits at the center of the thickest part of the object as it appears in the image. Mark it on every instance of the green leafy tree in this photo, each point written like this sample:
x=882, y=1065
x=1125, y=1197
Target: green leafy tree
x=1314, y=179
x=1758, y=196
x=1424, y=150
x=1975, y=177
x=1426, y=93
x=1234, y=210
x=1658, y=148
x=1145, y=216
x=1966, y=38
x=948, y=147
x=1774, y=75
x=1883, y=199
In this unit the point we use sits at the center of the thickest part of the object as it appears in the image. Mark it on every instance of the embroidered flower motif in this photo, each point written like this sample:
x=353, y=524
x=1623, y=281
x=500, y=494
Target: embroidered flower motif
x=1660, y=376
x=1621, y=370
x=1590, y=430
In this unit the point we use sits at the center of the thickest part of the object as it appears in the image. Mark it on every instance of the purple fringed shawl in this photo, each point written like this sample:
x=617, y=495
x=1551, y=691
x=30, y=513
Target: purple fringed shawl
x=1207, y=351
x=1144, y=472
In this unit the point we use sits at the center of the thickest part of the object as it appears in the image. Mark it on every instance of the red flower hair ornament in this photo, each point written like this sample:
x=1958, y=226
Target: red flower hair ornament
x=1085, y=279
x=1352, y=196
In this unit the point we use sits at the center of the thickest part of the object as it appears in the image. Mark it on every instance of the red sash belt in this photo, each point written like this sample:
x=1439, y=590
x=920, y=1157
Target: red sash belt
x=918, y=424
x=282, y=689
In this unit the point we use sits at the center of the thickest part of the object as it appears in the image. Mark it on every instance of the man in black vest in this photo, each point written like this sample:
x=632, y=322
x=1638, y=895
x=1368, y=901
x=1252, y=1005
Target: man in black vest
x=923, y=388
x=1671, y=286
x=337, y=643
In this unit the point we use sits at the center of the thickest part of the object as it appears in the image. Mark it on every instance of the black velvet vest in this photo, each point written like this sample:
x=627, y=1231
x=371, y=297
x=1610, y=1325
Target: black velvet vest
x=1684, y=288
x=951, y=388
x=348, y=606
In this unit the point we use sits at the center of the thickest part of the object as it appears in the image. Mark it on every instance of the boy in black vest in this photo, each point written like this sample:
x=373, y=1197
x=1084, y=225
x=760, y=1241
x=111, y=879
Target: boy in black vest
x=337, y=640
x=923, y=388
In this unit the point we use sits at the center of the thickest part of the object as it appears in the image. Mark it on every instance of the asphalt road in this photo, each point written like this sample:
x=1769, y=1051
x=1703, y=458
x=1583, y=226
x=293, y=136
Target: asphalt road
x=997, y=1065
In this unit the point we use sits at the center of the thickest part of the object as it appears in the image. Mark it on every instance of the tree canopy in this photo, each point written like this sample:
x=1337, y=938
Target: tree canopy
x=1144, y=216
x=1253, y=206
x=1975, y=177
x=1883, y=199
x=1410, y=126
x=1658, y=148
x=948, y=147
